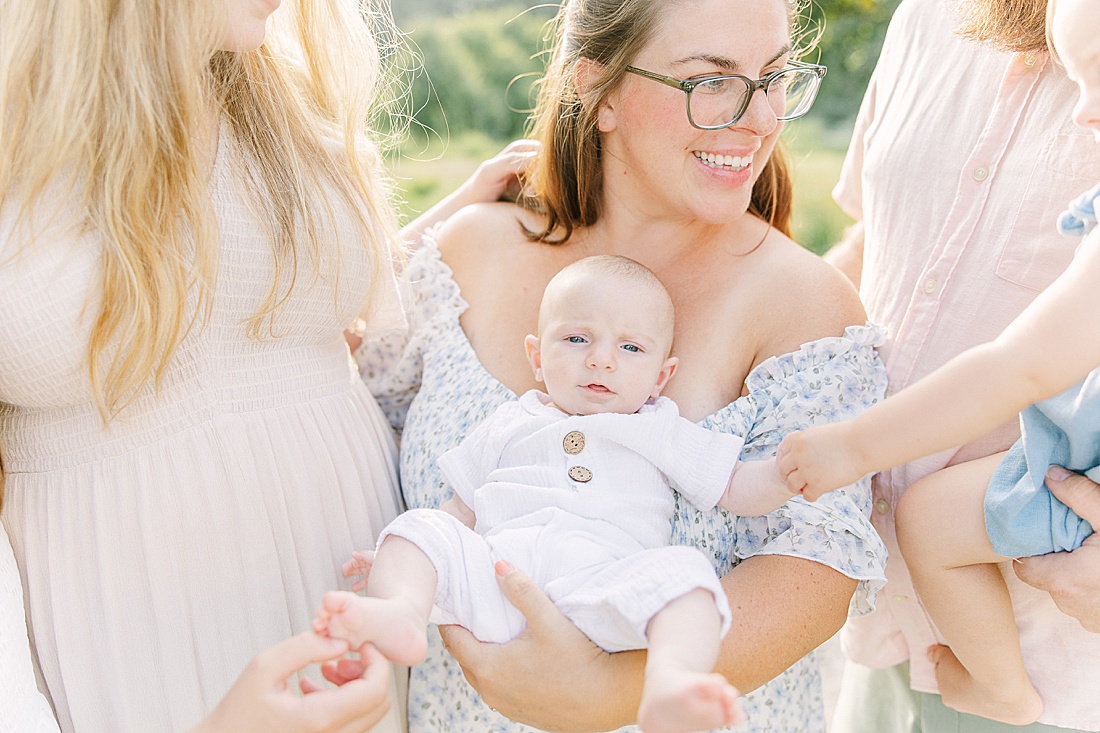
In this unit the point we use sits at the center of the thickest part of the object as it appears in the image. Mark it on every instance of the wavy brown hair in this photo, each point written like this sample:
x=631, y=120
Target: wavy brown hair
x=1018, y=26
x=106, y=115
x=567, y=175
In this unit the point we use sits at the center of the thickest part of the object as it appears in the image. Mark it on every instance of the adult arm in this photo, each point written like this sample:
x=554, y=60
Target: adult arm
x=495, y=179
x=261, y=701
x=847, y=254
x=572, y=686
x=1071, y=578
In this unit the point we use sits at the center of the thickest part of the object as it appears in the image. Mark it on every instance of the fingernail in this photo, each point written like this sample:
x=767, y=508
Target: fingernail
x=1057, y=473
x=503, y=568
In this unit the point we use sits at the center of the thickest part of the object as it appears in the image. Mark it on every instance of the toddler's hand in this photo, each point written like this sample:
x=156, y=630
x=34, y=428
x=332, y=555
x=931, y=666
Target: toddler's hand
x=818, y=460
x=359, y=564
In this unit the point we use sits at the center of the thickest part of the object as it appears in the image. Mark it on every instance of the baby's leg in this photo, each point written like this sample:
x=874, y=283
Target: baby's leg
x=681, y=691
x=394, y=615
x=941, y=532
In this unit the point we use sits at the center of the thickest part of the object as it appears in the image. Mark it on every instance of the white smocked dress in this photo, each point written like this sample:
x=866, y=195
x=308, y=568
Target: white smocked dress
x=432, y=386
x=203, y=524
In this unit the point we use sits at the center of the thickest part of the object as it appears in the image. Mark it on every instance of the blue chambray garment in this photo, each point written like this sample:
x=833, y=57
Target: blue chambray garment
x=1022, y=517
x=1080, y=217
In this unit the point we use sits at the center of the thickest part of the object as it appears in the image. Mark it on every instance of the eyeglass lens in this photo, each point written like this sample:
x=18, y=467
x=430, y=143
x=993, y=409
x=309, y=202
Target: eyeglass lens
x=722, y=100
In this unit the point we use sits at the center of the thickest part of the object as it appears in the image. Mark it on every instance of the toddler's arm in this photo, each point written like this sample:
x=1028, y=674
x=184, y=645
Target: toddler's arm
x=1054, y=343
x=755, y=488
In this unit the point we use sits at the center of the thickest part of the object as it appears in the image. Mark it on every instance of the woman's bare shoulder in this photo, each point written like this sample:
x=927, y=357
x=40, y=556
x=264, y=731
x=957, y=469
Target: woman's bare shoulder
x=481, y=230
x=816, y=300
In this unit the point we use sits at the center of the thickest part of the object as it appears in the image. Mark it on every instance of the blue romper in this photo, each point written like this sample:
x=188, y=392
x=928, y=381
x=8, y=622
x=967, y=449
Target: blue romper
x=1022, y=517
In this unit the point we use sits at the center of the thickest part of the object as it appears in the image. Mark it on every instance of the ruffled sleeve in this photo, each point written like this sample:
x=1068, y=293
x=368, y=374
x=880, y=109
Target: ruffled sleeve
x=824, y=381
x=391, y=364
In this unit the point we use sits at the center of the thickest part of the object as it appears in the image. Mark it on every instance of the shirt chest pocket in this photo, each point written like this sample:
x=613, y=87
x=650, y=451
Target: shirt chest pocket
x=1033, y=253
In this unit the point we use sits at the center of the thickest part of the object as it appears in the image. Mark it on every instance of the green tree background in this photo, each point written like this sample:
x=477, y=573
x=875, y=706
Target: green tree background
x=478, y=59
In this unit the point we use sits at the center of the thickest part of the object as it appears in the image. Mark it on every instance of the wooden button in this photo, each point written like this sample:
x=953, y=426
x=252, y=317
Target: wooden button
x=574, y=442
x=580, y=474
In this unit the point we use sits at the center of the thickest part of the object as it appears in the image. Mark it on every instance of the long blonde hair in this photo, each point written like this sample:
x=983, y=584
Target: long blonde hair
x=112, y=105
x=567, y=176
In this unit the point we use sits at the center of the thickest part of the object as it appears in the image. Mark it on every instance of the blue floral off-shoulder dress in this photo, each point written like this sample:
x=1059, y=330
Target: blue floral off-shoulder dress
x=434, y=390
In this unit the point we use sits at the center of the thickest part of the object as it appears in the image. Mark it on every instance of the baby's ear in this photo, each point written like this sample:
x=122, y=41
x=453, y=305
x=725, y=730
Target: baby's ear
x=667, y=371
x=534, y=356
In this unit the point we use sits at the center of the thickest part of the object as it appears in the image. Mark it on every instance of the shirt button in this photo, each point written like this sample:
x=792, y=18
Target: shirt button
x=573, y=443
x=900, y=599
x=580, y=474
x=980, y=173
x=882, y=506
x=1029, y=60
x=930, y=285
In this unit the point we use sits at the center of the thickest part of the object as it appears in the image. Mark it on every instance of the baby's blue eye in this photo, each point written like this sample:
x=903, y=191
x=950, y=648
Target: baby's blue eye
x=575, y=339
x=631, y=347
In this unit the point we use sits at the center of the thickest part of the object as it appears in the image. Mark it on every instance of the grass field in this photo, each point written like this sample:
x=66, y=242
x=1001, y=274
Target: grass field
x=425, y=175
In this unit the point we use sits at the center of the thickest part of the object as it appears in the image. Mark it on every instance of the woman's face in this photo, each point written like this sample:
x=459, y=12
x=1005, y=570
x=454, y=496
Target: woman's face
x=246, y=23
x=674, y=168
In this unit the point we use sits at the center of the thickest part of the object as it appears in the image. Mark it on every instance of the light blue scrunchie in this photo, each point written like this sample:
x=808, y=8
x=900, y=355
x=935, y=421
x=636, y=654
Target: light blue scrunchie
x=1080, y=218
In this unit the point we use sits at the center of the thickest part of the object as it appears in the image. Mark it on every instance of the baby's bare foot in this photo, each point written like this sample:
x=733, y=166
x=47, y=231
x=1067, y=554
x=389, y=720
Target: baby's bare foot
x=1017, y=704
x=678, y=701
x=392, y=625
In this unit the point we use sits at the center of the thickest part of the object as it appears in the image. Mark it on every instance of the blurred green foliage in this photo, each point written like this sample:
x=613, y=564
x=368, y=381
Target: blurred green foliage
x=477, y=61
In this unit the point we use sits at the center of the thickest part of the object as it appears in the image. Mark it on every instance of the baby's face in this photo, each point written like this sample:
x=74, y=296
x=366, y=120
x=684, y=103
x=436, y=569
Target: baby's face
x=1076, y=33
x=602, y=348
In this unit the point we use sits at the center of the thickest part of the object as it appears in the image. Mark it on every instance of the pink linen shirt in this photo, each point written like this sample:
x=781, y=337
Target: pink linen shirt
x=961, y=160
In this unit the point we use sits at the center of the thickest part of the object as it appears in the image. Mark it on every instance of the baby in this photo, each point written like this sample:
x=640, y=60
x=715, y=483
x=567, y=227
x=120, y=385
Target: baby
x=572, y=486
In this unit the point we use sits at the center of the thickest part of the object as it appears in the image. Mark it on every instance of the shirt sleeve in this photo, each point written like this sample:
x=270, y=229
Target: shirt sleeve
x=696, y=462
x=824, y=381
x=391, y=364
x=467, y=466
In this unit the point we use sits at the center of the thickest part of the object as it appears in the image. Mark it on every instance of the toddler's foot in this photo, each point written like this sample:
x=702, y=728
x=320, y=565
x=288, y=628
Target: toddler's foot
x=391, y=624
x=678, y=701
x=1017, y=705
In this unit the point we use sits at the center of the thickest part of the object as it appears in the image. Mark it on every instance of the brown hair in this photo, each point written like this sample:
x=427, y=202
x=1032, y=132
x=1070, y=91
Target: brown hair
x=567, y=176
x=1018, y=26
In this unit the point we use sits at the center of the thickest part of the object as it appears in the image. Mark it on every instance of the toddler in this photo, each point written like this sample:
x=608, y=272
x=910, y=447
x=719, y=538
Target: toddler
x=956, y=525
x=572, y=486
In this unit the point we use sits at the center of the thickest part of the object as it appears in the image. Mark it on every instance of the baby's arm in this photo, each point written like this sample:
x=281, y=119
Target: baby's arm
x=755, y=488
x=459, y=510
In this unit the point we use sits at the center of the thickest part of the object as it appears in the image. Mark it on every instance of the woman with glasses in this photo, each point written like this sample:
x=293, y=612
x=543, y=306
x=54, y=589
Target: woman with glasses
x=658, y=122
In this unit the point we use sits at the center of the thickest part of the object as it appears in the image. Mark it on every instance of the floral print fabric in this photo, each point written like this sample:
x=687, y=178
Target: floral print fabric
x=434, y=390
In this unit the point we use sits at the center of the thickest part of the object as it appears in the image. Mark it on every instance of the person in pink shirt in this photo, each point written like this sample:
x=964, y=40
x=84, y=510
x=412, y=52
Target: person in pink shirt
x=963, y=156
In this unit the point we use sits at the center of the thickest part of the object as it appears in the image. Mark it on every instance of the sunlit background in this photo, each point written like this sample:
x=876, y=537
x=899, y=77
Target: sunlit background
x=477, y=59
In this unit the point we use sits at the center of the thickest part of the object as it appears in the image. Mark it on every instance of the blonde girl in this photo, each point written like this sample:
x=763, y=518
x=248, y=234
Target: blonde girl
x=191, y=211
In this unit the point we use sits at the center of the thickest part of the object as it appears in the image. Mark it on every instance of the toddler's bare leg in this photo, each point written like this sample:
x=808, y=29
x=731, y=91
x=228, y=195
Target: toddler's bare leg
x=394, y=615
x=941, y=532
x=681, y=691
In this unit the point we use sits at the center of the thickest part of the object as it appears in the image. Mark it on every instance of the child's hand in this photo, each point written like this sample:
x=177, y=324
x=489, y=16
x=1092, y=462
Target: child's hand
x=359, y=564
x=818, y=460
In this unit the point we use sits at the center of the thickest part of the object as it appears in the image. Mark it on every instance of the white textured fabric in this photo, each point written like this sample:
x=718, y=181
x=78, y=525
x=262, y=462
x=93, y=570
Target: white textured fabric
x=598, y=544
x=24, y=710
x=594, y=572
x=160, y=553
x=432, y=384
x=961, y=161
x=514, y=463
